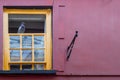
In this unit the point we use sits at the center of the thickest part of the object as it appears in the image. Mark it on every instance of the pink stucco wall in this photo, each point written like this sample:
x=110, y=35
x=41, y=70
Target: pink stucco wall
x=96, y=50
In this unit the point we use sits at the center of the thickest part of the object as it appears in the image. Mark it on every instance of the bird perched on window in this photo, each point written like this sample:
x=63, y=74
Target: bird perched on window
x=21, y=28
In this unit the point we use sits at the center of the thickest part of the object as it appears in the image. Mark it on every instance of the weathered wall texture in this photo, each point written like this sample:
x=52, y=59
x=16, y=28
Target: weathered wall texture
x=97, y=48
x=96, y=51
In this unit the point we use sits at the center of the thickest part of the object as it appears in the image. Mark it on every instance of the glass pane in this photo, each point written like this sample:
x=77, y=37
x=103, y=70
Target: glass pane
x=26, y=55
x=26, y=41
x=39, y=55
x=14, y=55
x=27, y=67
x=14, y=67
x=39, y=66
x=34, y=23
x=38, y=41
x=14, y=42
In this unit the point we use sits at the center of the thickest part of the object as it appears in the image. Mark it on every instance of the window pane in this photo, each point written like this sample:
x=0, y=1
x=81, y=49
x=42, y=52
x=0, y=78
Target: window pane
x=38, y=41
x=26, y=55
x=14, y=42
x=14, y=67
x=27, y=67
x=39, y=55
x=14, y=55
x=26, y=41
x=39, y=66
x=34, y=23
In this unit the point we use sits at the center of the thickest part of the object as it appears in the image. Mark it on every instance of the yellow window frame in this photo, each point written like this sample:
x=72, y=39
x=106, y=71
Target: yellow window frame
x=47, y=35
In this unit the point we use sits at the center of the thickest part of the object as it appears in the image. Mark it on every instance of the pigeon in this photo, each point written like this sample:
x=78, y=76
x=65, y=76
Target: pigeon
x=21, y=28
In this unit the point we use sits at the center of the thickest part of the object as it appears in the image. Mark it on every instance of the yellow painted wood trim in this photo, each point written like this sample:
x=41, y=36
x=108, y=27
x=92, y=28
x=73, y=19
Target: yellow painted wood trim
x=32, y=47
x=20, y=50
x=5, y=39
x=48, y=42
x=27, y=11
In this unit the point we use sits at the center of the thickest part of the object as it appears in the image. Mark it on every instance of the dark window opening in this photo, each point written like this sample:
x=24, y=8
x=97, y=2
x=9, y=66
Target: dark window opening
x=27, y=67
x=15, y=67
x=34, y=23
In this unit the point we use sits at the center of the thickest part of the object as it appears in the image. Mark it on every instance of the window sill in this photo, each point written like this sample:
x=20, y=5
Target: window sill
x=41, y=72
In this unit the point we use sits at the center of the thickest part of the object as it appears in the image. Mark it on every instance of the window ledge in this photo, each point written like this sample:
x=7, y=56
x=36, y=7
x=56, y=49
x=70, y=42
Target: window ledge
x=42, y=72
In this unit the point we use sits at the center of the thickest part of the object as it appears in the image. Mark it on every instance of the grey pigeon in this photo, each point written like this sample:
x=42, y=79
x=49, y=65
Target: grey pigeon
x=21, y=28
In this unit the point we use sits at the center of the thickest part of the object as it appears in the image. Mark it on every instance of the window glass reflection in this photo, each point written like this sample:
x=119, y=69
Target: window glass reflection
x=27, y=67
x=14, y=67
x=14, y=55
x=26, y=55
x=27, y=41
x=39, y=66
x=39, y=55
x=38, y=41
x=14, y=42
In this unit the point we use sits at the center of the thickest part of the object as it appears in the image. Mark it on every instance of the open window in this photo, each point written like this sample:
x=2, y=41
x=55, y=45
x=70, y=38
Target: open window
x=27, y=39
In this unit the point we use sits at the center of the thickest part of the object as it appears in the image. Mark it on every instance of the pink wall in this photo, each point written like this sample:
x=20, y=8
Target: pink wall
x=21, y=77
x=96, y=50
x=1, y=35
x=27, y=3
